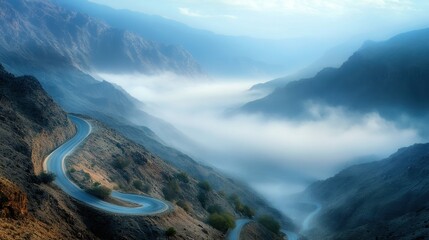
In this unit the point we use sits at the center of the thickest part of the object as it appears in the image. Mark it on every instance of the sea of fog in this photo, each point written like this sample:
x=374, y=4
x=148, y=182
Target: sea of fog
x=276, y=157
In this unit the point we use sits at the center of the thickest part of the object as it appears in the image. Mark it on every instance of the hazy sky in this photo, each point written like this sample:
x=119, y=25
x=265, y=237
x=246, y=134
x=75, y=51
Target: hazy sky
x=290, y=18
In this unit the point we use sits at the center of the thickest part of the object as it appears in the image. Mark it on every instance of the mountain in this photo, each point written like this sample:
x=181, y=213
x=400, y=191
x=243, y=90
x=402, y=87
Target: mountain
x=46, y=34
x=386, y=199
x=389, y=77
x=31, y=126
x=218, y=54
x=334, y=57
x=78, y=92
x=58, y=46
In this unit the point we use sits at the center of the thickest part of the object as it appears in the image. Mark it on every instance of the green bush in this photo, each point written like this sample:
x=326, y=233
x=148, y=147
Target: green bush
x=183, y=205
x=270, y=223
x=183, y=177
x=204, y=185
x=138, y=184
x=46, y=177
x=215, y=209
x=170, y=232
x=172, y=190
x=99, y=191
x=247, y=211
x=121, y=163
x=202, y=198
x=235, y=201
x=221, y=221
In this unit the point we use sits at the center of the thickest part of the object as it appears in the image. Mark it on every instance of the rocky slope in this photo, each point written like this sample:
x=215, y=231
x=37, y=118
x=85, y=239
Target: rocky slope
x=32, y=125
x=255, y=231
x=110, y=159
x=383, y=200
x=45, y=34
x=389, y=77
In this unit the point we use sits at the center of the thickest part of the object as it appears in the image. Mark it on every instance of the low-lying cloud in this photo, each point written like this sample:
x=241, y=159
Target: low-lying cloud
x=276, y=157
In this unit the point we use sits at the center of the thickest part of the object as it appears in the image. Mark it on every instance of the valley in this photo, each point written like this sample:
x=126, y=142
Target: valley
x=251, y=120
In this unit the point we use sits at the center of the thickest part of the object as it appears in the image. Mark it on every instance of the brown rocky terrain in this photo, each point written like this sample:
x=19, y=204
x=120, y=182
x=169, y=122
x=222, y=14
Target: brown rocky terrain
x=255, y=231
x=114, y=161
x=32, y=125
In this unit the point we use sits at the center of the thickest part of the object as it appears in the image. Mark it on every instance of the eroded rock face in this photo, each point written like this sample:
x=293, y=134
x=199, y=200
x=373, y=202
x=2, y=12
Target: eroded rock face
x=13, y=201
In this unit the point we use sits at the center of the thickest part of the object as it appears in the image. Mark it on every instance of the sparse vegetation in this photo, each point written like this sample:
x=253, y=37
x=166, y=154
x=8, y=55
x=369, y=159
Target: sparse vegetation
x=270, y=223
x=247, y=211
x=184, y=205
x=46, y=177
x=221, y=221
x=205, y=188
x=138, y=158
x=172, y=190
x=215, y=209
x=99, y=191
x=202, y=198
x=240, y=207
x=170, y=232
x=139, y=185
x=121, y=163
x=204, y=185
x=182, y=177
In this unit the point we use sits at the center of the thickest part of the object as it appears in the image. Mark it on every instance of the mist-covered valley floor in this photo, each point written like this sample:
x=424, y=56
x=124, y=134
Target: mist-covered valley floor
x=277, y=157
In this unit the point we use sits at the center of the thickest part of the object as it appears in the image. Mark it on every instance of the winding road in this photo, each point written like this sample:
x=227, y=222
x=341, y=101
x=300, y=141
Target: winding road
x=55, y=163
x=234, y=234
x=305, y=224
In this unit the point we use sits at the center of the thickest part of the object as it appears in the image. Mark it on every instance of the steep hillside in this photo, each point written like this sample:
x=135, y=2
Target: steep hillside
x=110, y=159
x=57, y=46
x=384, y=200
x=201, y=172
x=48, y=35
x=32, y=125
x=389, y=77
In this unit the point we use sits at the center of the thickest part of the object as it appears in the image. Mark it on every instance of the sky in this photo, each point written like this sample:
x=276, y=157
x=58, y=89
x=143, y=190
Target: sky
x=333, y=19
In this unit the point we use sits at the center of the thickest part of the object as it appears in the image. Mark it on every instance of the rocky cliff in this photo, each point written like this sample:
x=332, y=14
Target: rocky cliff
x=32, y=125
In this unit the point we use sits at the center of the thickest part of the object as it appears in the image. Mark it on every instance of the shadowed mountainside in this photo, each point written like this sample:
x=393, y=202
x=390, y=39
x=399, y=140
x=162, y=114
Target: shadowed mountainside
x=48, y=35
x=32, y=125
x=388, y=77
x=385, y=199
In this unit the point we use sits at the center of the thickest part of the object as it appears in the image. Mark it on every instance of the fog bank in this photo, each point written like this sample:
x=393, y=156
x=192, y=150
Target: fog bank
x=276, y=157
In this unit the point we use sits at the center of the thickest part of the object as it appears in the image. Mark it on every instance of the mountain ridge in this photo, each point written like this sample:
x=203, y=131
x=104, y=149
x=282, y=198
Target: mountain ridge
x=388, y=77
x=383, y=199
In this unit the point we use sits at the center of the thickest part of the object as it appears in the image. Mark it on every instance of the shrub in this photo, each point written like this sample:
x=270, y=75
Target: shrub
x=99, y=191
x=235, y=201
x=170, y=232
x=215, y=209
x=183, y=205
x=204, y=185
x=247, y=211
x=270, y=223
x=121, y=163
x=138, y=184
x=221, y=221
x=46, y=177
x=183, y=177
x=202, y=197
x=172, y=190
x=138, y=158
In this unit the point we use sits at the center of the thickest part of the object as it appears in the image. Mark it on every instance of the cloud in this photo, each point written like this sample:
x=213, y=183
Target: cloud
x=276, y=157
x=321, y=7
x=191, y=13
